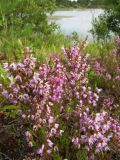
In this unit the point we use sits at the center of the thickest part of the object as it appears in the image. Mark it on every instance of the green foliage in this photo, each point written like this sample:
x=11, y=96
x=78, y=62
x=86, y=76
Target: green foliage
x=10, y=111
x=12, y=48
x=12, y=142
x=3, y=76
x=80, y=3
x=109, y=21
x=82, y=155
x=24, y=23
x=25, y=16
x=100, y=28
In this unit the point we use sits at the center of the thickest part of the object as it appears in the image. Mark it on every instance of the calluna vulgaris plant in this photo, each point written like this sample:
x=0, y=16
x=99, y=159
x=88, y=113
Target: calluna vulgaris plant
x=107, y=68
x=58, y=102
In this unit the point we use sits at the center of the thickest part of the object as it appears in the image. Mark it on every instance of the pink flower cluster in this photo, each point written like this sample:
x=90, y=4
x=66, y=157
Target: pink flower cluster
x=107, y=69
x=117, y=40
x=108, y=65
x=95, y=130
x=109, y=103
x=55, y=95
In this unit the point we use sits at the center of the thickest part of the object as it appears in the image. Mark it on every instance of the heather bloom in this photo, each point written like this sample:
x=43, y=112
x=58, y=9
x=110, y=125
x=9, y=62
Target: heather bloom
x=97, y=68
x=5, y=93
x=117, y=78
x=1, y=86
x=94, y=131
x=12, y=66
x=30, y=144
x=40, y=151
x=117, y=40
x=59, y=101
x=107, y=69
x=109, y=103
x=18, y=78
x=50, y=144
x=5, y=66
x=28, y=134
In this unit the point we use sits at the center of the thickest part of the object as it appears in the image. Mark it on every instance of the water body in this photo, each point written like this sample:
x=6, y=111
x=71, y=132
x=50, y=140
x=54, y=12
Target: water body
x=79, y=21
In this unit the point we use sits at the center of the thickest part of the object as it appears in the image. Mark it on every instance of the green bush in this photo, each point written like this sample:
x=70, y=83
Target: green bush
x=100, y=28
x=25, y=15
x=109, y=21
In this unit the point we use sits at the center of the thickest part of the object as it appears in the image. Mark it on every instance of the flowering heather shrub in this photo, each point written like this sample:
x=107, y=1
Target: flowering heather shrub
x=107, y=68
x=61, y=107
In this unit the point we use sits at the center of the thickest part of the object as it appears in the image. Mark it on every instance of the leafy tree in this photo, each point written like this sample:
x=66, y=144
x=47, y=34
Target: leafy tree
x=100, y=28
x=18, y=15
x=111, y=19
x=78, y=3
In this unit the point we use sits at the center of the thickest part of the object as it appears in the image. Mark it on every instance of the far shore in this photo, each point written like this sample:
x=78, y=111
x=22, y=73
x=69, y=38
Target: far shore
x=58, y=17
x=77, y=8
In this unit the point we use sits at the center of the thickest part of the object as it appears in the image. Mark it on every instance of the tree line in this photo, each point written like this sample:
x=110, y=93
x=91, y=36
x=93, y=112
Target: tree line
x=81, y=3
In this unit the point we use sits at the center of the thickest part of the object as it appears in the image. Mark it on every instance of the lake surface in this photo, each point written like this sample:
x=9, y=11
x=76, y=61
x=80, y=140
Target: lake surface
x=79, y=21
